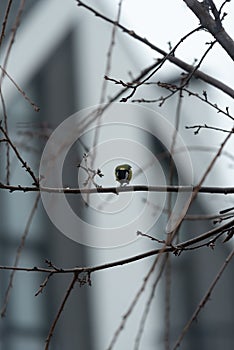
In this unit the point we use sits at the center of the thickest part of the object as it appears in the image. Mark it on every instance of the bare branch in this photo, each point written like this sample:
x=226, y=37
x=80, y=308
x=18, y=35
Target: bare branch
x=133, y=304
x=223, y=230
x=117, y=190
x=5, y=21
x=213, y=25
x=172, y=52
x=12, y=39
x=173, y=87
x=204, y=300
x=44, y=284
x=7, y=143
x=178, y=248
x=52, y=328
x=205, y=126
x=18, y=254
x=148, y=304
x=204, y=176
x=24, y=164
x=22, y=92
x=173, y=59
x=110, y=54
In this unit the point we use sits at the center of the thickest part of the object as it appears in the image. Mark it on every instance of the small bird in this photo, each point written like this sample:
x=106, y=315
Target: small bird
x=123, y=174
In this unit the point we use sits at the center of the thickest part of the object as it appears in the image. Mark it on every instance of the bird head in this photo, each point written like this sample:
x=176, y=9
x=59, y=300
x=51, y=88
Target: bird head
x=123, y=174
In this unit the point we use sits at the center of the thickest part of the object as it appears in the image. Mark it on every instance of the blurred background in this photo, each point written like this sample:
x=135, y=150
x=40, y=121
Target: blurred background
x=59, y=59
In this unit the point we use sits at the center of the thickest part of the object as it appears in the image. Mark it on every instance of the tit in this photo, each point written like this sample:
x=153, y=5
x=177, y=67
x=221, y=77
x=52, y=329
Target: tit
x=123, y=174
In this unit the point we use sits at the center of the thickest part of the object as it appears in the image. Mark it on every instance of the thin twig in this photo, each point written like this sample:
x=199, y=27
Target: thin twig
x=148, y=304
x=4, y=23
x=99, y=111
x=214, y=26
x=24, y=163
x=222, y=6
x=7, y=143
x=22, y=92
x=203, y=178
x=170, y=237
x=110, y=53
x=12, y=40
x=18, y=254
x=192, y=73
x=183, y=65
x=91, y=173
x=205, y=126
x=133, y=304
x=139, y=233
x=52, y=328
x=185, y=80
x=173, y=249
x=43, y=284
x=172, y=87
x=203, y=301
x=217, y=218
x=172, y=52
